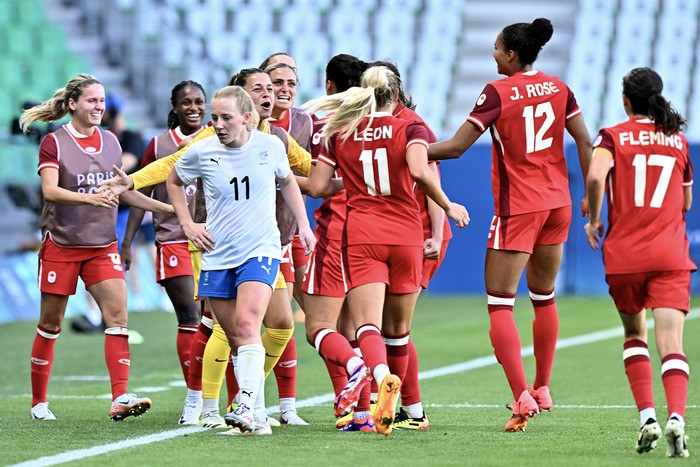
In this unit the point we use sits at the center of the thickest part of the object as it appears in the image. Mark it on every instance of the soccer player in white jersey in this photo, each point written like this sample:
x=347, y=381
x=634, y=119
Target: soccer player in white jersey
x=240, y=241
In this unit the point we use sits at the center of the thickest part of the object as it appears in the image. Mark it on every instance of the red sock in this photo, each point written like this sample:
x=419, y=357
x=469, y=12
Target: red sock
x=231, y=382
x=638, y=368
x=338, y=375
x=397, y=354
x=410, y=391
x=374, y=386
x=372, y=346
x=364, y=402
x=505, y=340
x=286, y=371
x=199, y=343
x=41, y=362
x=183, y=343
x=118, y=359
x=674, y=374
x=545, y=329
x=332, y=346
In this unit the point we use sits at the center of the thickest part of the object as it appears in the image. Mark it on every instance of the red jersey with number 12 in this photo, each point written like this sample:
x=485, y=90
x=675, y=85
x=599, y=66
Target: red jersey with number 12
x=381, y=207
x=646, y=225
x=527, y=114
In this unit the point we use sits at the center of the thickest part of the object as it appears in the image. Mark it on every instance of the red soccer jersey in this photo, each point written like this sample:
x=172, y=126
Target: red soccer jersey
x=381, y=205
x=409, y=115
x=527, y=115
x=330, y=215
x=646, y=225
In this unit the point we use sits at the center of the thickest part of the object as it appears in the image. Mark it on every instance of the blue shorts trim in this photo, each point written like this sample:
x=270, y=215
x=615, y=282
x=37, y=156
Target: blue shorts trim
x=224, y=283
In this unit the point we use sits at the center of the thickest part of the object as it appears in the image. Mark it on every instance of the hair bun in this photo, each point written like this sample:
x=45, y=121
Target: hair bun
x=542, y=30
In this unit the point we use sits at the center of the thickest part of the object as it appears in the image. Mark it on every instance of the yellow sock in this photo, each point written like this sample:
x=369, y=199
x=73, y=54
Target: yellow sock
x=274, y=341
x=216, y=355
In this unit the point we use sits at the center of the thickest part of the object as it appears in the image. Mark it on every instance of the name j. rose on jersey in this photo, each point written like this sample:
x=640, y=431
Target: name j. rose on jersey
x=86, y=182
x=533, y=90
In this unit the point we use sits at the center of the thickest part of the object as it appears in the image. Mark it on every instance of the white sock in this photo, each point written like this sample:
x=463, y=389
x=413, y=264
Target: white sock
x=210, y=406
x=259, y=409
x=352, y=364
x=193, y=395
x=380, y=372
x=646, y=414
x=678, y=417
x=414, y=410
x=251, y=370
x=288, y=404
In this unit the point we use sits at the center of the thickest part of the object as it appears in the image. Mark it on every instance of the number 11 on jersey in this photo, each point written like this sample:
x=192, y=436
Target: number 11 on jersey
x=367, y=158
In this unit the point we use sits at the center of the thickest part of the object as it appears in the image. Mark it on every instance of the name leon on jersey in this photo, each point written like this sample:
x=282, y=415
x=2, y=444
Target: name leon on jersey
x=373, y=134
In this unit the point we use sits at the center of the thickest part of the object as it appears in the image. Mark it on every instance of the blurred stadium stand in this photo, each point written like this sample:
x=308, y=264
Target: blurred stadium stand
x=142, y=48
x=442, y=47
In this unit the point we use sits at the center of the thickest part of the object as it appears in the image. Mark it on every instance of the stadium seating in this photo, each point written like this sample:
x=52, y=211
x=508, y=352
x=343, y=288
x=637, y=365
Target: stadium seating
x=172, y=40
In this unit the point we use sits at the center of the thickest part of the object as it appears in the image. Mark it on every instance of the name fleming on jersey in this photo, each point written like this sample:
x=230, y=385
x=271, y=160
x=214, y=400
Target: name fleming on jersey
x=648, y=138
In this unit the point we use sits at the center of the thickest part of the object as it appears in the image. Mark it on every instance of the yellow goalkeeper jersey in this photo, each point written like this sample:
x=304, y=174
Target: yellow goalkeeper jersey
x=157, y=171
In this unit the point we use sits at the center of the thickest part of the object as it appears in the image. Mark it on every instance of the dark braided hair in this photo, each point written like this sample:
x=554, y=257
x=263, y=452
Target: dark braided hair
x=240, y=78
x=345, y=71
x=404, y=97
x=173, y=119
x=643, y=86
x=527, y=39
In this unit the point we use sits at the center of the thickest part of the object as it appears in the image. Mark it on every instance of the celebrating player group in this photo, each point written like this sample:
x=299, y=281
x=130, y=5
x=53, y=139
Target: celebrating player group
x=234, y=244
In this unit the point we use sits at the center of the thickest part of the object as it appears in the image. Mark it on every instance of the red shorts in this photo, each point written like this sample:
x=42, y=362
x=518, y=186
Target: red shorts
x=172, y=260
x=430, y=266
x=523, y=231
x=60, y=267
x=287, y=264
x=324, y=273
x=398, y=266
x=299, y=255
x=633, y=293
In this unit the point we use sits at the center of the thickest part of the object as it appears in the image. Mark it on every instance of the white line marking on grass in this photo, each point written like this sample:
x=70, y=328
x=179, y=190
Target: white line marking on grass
x=97, y=450
x=529, y=351
x=323, y=398
x=499, y=406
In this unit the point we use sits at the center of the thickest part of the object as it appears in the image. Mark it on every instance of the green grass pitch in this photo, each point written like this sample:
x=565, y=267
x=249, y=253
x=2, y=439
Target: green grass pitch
x=594, y=421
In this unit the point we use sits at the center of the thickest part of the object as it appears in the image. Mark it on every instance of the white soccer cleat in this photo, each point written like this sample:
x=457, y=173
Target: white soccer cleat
x=41, y=412
x=676, y=438
x=261, y=429
x=273, y=422
x=128, y=405
x=213, y=420
x=649, y=434
x=191, y=412
x=241, y=418
x=291, y=417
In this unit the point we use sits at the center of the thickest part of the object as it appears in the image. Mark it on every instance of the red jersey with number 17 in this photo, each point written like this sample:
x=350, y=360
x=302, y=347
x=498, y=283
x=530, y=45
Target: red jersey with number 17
x=646, y=225
x=381, y=207
x=527, y=114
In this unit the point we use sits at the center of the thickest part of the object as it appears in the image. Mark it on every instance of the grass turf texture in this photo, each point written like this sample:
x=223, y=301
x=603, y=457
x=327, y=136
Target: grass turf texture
x=466, y=409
